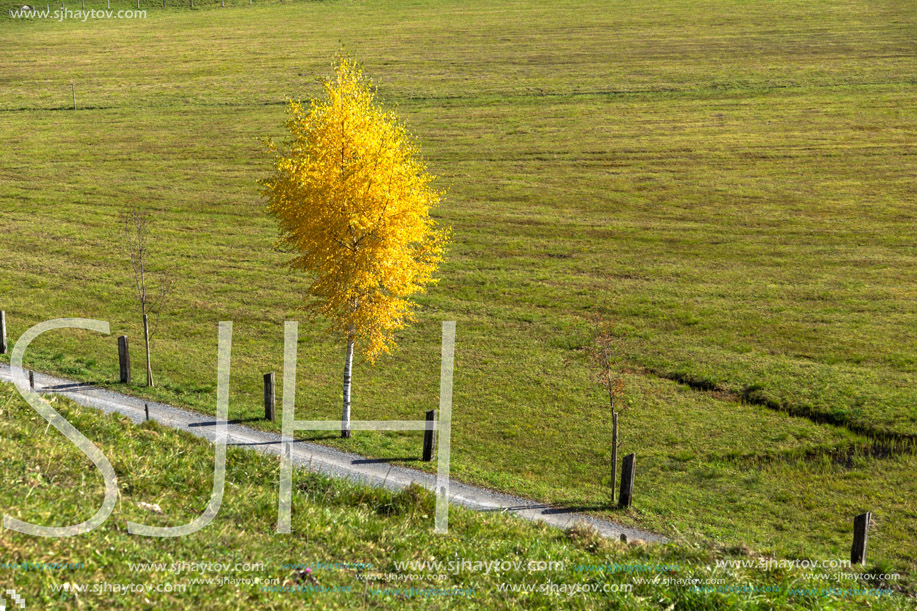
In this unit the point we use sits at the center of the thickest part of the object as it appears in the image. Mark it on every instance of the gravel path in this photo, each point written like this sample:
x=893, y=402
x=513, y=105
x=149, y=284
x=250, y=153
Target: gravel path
x=332, y=462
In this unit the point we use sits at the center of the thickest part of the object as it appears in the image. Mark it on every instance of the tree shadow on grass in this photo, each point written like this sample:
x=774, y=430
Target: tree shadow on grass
x=214, y=422
x=66, y=387
x=370, y=461
x=555, y=509
x=320, y=437
x=275, y=442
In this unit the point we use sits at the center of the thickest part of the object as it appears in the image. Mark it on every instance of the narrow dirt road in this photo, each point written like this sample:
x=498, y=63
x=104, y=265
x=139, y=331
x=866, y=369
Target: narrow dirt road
x=335, y=463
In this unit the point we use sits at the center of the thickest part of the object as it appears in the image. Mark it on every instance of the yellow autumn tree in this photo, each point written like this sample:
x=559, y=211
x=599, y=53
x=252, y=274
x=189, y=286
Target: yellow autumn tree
x=353, y=201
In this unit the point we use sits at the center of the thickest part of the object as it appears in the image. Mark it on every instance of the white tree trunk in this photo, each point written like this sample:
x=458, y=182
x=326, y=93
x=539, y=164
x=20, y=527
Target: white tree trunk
x=146, y=337
x=348, y=364
x=614, y=453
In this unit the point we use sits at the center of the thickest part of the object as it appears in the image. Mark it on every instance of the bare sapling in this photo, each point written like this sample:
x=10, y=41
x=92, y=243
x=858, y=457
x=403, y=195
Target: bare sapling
x=151, y=299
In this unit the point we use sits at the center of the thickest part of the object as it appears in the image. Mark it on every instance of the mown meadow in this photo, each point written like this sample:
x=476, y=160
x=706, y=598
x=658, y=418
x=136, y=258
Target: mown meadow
x=731, y=182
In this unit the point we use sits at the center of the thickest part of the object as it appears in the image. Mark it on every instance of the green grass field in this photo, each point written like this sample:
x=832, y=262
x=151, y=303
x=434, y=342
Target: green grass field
x=733, y=182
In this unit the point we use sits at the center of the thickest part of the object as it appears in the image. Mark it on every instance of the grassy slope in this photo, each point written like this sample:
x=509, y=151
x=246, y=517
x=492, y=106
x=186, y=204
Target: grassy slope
x=47, y=481
x=736, y=181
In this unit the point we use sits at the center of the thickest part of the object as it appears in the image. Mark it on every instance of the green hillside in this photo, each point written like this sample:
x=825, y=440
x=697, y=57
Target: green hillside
x=353, y=537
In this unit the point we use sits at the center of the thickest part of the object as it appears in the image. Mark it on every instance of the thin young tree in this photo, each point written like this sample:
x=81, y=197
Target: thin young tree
x=353, y=200
x=604, y=354
x=135, y=224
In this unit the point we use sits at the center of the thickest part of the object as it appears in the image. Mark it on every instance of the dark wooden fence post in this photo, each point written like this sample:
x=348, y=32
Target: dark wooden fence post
x=269, y=396
x=32, y=380
x=146, y=410
x=429, y=436
x=860, y=534
x=626, y=497
x=3, y=346
x=124, y=359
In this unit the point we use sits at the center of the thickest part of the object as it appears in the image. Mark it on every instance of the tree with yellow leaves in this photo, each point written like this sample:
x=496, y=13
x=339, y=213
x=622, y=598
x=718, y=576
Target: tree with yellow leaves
x=353, y=201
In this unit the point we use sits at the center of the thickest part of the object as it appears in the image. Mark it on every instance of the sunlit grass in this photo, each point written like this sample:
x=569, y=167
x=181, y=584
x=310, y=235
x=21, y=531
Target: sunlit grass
x=734, y=182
